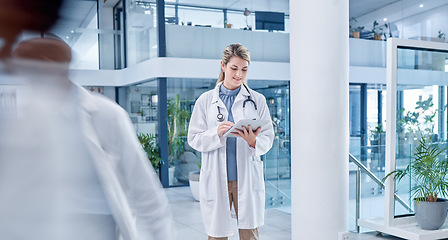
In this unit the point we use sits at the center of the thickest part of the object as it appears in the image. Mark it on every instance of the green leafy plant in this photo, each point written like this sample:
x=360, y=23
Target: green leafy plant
x=380, y=29
x=378, y=129
x=440, y=34
x=355, y=29
x=358, y=29
x=149, y=144
x=178, y=116
x=375, y=30
x=428, y=169
x=420, y=121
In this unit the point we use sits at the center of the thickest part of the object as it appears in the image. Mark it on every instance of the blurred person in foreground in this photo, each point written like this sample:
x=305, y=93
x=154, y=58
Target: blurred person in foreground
x=110, y=181
x=71, y=166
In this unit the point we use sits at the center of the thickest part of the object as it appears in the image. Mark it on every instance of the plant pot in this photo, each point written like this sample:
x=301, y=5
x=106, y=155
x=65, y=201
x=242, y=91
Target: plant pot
x=186, y=163
x=431, y=215
x=194, y=184
x=377, y=37
x=355, y=34
x=171, y=171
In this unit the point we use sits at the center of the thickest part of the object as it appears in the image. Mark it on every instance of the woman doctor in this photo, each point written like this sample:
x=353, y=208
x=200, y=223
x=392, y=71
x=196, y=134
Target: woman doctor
x=232, y=171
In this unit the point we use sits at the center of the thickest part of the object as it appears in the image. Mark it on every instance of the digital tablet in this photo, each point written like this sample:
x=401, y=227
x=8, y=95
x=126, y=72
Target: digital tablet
x=246, y=122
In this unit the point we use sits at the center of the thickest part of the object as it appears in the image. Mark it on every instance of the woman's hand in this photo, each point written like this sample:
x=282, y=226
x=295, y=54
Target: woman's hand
x=223, y=127
x=248, y=134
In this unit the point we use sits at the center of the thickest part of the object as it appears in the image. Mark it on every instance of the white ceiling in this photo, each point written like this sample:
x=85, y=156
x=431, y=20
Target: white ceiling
x=359, y=8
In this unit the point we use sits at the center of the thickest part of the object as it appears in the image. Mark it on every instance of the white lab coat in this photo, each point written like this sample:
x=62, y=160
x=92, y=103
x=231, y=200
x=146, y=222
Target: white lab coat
x=134, y=193
x=38, y=138
x=203, y=136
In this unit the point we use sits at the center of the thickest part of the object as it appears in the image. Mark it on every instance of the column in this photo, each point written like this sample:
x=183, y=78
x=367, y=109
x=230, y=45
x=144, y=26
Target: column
x=319, y=118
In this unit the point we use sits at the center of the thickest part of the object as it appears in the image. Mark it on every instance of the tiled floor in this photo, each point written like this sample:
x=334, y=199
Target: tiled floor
x=187, y=216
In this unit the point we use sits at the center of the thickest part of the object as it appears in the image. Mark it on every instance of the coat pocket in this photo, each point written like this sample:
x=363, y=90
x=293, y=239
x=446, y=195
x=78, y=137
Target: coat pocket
x=208, y=190
x=257, y=174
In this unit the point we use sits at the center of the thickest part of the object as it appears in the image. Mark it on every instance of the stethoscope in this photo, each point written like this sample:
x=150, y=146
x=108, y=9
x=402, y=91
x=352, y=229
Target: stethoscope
x=220, y=117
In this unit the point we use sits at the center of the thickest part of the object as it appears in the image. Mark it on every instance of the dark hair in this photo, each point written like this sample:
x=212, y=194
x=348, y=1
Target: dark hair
x=35, y=15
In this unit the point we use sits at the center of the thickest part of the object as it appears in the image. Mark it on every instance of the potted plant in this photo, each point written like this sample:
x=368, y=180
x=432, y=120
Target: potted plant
x=378, y=142
x=178, y=117
x=377, y=136
x=412, y=125
x=441, y=35
x=357, y=31
x=377, y=31
x=428, y=170
x=149, y=144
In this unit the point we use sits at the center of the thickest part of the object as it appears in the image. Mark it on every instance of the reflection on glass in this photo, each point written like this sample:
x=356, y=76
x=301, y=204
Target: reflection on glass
x=80, y=32
x=141, y=32
x=141, y=103
x=201, y=17
x=277, y=162
x=142, y=110
x=367, y=144
x=421, y=108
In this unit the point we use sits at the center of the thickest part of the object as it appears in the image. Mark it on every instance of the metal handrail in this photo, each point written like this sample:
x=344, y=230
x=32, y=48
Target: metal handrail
x=375, y=179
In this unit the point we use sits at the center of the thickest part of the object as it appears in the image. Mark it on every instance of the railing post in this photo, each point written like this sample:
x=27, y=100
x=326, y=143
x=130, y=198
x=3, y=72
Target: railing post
x=358, y=197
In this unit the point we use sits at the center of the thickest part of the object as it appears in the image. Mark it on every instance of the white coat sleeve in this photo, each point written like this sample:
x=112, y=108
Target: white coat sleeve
x=200, y=136
x=142, y=187
x=265, y=138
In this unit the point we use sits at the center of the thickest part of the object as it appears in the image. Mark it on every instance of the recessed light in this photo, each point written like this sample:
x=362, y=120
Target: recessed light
x=421, y=5
x=72, y=31
x=67, y=37
x=384, y=19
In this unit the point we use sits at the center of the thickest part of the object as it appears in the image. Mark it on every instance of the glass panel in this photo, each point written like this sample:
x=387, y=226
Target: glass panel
x=277, y=162
x=376, y=134
x=140, y=101
x=239, y=21
x=201, y=17
x=80, y=32
x=421, y=108
x=141, y=31
x=181, y=95
x=170, y=15
x=368, y=148
x=422, y=20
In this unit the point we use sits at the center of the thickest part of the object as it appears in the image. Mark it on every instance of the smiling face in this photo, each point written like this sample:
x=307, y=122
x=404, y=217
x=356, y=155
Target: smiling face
x=235, y=72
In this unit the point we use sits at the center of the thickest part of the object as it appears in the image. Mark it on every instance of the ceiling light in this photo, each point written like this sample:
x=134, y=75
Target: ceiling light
x=421, y=5
x=67, y=37
x=384, y=19
x=72, y=31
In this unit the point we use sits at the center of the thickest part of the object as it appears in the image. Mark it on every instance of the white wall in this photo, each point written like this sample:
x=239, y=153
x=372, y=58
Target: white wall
x=208, y=43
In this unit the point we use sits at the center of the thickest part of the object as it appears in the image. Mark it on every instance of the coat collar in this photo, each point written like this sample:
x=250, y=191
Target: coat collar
x=86, y=99
x=215, y=96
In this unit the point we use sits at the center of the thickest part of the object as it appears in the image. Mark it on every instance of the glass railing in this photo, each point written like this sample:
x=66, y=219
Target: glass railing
x=366, y=196
x=277, y=173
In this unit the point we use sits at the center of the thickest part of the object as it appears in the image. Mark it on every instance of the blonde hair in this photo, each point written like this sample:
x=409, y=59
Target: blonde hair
x=233, y=50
